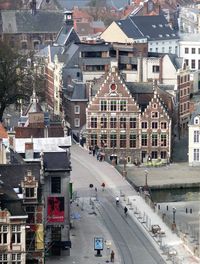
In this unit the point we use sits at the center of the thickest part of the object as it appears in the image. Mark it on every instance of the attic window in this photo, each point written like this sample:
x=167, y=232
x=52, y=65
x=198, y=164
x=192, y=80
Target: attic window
x=119, y=23
x=148, y=36
x=167, y=35
x=160, y=35
x=196, y=121
x=154, y=26
x=160, y=25
x=173, y=35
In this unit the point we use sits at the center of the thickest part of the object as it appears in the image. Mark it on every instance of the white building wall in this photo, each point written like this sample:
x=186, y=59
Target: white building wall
x=192, y=44
x=192, y=145
x=163, y=46
x=169, y=72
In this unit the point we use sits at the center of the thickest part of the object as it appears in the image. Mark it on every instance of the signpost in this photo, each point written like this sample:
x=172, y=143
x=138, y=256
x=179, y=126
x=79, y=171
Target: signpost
x=98, y=245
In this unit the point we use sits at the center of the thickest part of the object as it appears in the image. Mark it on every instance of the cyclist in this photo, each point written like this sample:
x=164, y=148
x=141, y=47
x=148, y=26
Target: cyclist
x=117, y=200
x=125, y=210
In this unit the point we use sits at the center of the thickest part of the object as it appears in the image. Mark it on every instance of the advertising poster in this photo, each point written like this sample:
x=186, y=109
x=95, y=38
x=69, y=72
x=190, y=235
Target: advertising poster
x=55, y=209
x=98, y=243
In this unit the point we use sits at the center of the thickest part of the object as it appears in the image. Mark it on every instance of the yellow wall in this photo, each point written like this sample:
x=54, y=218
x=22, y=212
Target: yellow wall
x=114, y=34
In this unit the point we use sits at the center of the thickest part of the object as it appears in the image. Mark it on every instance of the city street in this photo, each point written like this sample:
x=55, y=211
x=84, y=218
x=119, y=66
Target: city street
x=95, y=215
x=123, y=235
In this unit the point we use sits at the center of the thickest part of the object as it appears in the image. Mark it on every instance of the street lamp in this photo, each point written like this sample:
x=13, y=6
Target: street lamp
x=174, y=214
x=174, y=218
x=146, y=175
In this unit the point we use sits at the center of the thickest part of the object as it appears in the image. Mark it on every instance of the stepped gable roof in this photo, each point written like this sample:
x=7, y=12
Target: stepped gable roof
x=143, y=93
x=23, y=21
x=56, y=161
x=3, y=132
x=151, y=27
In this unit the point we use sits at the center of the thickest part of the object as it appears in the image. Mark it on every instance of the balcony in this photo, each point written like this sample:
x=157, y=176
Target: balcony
x=127, y=60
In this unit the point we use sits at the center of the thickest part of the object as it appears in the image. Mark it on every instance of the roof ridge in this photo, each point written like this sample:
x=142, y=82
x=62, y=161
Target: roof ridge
x=136, y=26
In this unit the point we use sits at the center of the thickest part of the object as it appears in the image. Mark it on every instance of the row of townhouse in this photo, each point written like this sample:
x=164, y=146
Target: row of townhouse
x=38, y=175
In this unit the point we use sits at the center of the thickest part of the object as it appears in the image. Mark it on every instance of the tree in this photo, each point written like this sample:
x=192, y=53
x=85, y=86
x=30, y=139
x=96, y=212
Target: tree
x=14, y=78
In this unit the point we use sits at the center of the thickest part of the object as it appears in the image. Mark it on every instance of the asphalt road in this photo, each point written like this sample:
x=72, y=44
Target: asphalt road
x=131, y=243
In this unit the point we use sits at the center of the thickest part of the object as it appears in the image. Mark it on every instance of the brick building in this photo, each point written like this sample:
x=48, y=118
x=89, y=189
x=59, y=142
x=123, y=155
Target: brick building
x=119, y=125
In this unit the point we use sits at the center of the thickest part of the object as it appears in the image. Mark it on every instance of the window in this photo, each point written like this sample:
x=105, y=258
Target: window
x=16, y=234
x=144, y=125
x=3, y=258
x=163, y=154
x=196, y=136
x=103, y=122
x=123, y=105
x=187, y=62
x=193, y=64
x=170, y=49
x=29, y=192
x=113, y=105
x=93, y=139
x=3, y=234
x=154, y=140
x=154, y=114
x=144, y=140
x=122, y=122
x=30, y=210
x=154, y=154
x=186, y=50
x=133, y=123
x=163, y=140
x=132, y=141
x=76, y=109
x=24, y=45
x=123, y=141
x=103, y=105
x=77, y=122
x=154, y=125
x=155, y=68
x=16, y=258
x=113, y=140
x=199, y=50
x=163, y=125
x=196, y=121
x=30, y=240
x=193, y=50
x=56, y=184
x=93, y=122
x=198, y=64
x=196, y=155
x=113, y=122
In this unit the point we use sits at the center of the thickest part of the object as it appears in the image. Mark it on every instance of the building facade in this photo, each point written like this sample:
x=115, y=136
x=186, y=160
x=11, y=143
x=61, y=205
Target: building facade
x=117, y=125
x=194, y=139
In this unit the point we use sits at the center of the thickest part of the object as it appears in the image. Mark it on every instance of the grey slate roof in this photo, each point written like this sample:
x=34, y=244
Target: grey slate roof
x=150, y=27
x=177, y=61
x=56, y=161
x=66, y=35
x=79, y=91
x=23, y=21
x=12, y=175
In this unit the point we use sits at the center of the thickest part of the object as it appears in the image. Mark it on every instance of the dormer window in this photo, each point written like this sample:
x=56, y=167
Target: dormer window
x=30, y=192
x=196, y=121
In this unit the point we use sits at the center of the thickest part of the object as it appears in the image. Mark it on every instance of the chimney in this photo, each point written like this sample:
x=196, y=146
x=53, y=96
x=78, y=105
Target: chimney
x=29, y=150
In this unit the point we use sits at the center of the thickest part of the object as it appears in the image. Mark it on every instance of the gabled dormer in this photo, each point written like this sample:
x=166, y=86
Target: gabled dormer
x=29, y=187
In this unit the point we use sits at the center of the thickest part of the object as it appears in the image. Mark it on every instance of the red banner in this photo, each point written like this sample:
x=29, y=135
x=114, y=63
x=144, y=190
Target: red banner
x=55, y=209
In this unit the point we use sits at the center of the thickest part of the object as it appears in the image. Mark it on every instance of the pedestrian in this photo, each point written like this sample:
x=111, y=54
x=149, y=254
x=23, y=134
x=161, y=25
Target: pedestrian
x=125, y=210
x=112, y=256
x=93, y=151
x=103, y=186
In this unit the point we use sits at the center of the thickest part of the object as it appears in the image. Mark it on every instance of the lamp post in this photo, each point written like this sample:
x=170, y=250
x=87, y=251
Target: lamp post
x=174, y=218
x=146, y=177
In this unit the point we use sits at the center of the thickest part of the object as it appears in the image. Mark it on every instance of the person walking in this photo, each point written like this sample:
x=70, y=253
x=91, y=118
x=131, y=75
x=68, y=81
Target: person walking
x=103, y=186
x=112, y=256
x=125, y=210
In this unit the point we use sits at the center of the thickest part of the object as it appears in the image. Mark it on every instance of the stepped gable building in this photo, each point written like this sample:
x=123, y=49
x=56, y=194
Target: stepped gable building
x=119, y=126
